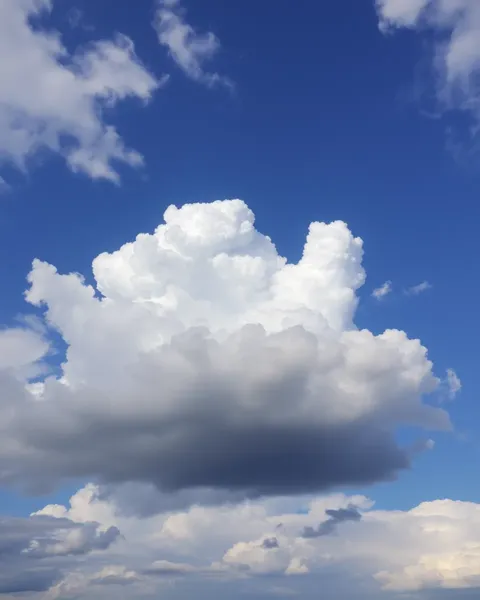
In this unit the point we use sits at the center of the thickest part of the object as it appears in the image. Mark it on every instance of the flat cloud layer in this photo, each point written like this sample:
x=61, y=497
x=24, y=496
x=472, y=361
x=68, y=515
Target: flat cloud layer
x=204, y=360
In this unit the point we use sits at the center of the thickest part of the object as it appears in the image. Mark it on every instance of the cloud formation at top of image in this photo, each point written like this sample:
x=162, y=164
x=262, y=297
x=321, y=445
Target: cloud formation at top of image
x=456, y=52
x=203, y=359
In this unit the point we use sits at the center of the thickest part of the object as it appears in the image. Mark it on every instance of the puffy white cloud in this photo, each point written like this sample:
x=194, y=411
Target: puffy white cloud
x=428, y=547
x=400, y=13
x=457, y=53
x=208, y=361
x=433, y=546
x=51, y=99
x=383, y=290
x=189, y=49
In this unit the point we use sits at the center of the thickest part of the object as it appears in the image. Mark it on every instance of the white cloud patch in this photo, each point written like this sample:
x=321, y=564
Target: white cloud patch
x=189, y=49
x=382, y=291
x=454, y=384
x=222, y=550
x=50, y=99
x=415, y=290
x=200, y=341
x=457, y=52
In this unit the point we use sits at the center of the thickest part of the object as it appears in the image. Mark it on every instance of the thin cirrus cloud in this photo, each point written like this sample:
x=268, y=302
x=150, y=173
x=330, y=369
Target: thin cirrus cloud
x=387, y=288
x=456, y=62
x=200, y=340
x=188, y=48
x=384, y=290
x=51, y=99
x=420, y=288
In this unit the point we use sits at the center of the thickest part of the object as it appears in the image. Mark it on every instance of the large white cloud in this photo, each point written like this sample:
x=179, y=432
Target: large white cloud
x=456, y=24
x=205, y=360
x=51, y=99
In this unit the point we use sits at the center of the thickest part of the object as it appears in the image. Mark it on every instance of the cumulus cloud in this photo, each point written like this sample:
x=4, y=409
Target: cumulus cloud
x=456, y=24
x=57, y=101
x=428, y=547
x=383, y=290
x=189, y=49
x=35, y=550
x=203, y=359
x=40, y=536
x=433, y=546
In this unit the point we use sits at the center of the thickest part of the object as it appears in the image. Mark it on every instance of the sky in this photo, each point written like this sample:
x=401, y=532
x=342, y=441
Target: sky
x=239, y=310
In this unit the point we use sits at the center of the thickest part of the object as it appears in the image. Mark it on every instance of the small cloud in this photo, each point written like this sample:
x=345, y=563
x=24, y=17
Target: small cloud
x=383, y=290
x=74, y=17
x=420, y=446
x=188, y=48
x=76, y=20
x=282, y=591
x=4, y=186
x=453, y=384
x=170, y=569
x=415, y=290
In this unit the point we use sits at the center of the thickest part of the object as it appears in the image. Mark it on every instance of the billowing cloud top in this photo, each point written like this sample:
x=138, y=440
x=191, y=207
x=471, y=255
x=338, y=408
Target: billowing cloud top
x=204, y=360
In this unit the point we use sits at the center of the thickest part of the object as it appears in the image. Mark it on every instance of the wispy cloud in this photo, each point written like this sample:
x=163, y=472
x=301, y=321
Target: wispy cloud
x=76, y=19
x=189, y=49
x=4, y=187
x=456, y=63
x=382, y=291
x=415, y=290
x=453, y=383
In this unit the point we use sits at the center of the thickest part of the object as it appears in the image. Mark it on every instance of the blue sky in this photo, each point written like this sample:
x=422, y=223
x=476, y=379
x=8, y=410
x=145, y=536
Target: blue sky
x=316, y=115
